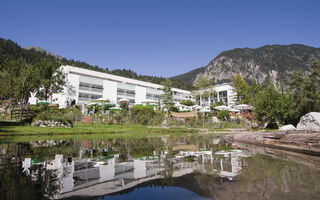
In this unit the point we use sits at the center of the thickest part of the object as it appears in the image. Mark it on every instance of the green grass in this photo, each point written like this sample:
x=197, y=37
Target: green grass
x=16, y=129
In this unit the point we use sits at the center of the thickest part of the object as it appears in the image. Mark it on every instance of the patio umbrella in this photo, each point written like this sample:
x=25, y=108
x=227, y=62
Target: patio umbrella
x=101, y=99
x=222, y=108
x=205, y=110
x=243, y=107
x=148, y=101
x=197, y=107
x=115, y=108
x=109, y=104
x=43, y=102
x=234, y=110
x=93, y=104
x=184, y=110
x=123, y=100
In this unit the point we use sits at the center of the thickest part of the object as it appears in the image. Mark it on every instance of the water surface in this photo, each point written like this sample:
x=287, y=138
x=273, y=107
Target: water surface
x=166, y=167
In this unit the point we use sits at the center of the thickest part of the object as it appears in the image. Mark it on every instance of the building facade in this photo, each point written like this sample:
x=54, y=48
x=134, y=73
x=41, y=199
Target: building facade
x=224, y=93
x=84, y=86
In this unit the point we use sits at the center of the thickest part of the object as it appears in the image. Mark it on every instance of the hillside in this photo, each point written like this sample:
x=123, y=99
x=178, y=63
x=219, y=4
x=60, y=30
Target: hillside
x=189, y=77
x=274, y=62
x=10, y=50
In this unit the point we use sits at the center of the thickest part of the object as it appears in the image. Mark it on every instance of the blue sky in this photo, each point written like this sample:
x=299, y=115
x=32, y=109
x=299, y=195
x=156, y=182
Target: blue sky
x=162, y=38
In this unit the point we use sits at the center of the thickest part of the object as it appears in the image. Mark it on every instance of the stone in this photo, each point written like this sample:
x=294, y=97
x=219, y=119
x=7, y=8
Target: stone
x=288, y=127
x=309, y=122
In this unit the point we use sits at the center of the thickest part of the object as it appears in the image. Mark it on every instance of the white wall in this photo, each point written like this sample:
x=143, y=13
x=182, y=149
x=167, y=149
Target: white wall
x=110, y=90
x=73, y=80
x=224, y=87
x=141, y=93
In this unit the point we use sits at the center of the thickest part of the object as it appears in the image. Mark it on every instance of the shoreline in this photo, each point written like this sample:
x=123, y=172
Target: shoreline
x=295, y=141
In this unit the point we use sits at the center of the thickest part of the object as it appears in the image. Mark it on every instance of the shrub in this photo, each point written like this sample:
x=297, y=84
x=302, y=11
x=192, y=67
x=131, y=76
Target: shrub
x=187, y=102
x=124, y=105
x=223, y=115
x=157, y=118
x=140, y=114
x=174, y=109
x=53, y=114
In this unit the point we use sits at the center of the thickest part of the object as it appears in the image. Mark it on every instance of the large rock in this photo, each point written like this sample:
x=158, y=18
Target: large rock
x=309, y=122
x=288, y=127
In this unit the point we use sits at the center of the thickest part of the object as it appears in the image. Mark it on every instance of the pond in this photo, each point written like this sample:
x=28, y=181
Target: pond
x=166, y=167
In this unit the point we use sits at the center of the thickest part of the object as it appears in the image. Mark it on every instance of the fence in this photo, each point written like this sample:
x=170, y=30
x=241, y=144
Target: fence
x=20, y=114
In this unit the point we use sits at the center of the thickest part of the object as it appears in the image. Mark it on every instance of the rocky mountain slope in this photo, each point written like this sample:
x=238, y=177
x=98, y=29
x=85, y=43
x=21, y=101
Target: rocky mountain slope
x=41, y=50
x=274, y=62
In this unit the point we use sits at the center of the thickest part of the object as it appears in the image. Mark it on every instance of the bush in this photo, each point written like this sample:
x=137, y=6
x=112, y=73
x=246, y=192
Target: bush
x=174, y=109
x=193, y=122
x=53, y=114
x=187, y=102
x=223, y=115
x=140, y=114
x=124, y=105
x=157, y=119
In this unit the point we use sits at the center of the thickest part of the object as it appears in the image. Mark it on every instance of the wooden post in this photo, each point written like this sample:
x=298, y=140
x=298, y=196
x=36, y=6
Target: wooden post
x=21, y=111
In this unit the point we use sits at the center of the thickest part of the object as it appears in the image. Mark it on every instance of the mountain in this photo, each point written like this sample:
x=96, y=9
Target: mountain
x=189, y=77
x=275, y=62
x=9, y=50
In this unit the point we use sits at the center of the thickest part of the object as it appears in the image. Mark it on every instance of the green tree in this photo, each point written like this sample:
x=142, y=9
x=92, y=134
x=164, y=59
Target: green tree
x=18, y=79
x=254, y=90
x=52, y=79
x=167, y=96
x=202, y=84
x=241, y=88
x=306, y=90
x=271, y=106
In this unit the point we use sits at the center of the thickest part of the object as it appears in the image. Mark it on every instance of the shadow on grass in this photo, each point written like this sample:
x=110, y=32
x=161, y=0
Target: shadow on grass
x=5, y=124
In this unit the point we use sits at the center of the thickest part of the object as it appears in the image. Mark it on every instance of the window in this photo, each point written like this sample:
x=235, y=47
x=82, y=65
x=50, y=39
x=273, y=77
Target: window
x=223, y=96
x=152, y=96
x=90, y=87
x=88, y=97
x=124, y=92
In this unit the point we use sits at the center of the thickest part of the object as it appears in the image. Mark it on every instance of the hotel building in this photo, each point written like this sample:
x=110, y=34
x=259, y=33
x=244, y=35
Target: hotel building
x=84, y=86
x=224, y=93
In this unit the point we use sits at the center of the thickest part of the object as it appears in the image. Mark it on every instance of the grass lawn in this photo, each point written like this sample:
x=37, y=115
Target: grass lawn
x=17, y=129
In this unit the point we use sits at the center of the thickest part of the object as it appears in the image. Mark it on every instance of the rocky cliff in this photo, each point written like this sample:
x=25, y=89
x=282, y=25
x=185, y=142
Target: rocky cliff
x=274, y=62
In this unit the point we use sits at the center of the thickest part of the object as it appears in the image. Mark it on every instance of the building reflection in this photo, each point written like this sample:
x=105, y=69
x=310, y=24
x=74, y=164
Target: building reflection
x=109, y=174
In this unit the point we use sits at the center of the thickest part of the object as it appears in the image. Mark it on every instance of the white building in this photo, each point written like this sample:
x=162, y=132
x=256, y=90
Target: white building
x=222, y=92
x=85, y=85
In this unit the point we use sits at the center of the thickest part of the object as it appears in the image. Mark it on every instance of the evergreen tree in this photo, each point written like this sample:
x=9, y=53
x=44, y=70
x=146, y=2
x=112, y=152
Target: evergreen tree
x=306, y=90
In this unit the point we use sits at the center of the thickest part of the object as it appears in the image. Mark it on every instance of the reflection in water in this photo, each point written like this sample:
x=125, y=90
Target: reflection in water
x=202, y=164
